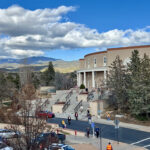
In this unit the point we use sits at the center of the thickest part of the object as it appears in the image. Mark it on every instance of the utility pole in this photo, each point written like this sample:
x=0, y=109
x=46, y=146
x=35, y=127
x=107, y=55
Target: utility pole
x=100, y=135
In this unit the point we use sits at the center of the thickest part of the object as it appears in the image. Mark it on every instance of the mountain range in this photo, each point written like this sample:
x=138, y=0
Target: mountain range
x=38, y=64
x=29, y=60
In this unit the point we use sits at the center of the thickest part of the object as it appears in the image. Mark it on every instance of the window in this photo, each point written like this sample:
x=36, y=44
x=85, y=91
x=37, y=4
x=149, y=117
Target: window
x=94, y=60
x=104, y=60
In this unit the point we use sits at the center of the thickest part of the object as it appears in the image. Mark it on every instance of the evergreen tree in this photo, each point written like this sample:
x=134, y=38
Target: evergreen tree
x=49, y=75
x=117, y=84
x=139, y=89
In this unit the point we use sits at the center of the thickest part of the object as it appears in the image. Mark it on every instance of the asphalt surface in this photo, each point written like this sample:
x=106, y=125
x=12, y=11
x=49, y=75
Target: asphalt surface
x=124, y=135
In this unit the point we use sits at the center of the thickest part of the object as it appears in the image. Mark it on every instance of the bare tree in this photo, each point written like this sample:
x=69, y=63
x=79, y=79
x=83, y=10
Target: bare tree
x=24, y=117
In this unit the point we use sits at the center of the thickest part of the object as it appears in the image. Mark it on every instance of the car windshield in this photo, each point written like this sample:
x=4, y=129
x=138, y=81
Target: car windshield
x=2, y=145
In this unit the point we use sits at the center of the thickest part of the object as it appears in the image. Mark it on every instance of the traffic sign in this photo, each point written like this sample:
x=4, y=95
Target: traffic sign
x=116, y=121
x=92, y=124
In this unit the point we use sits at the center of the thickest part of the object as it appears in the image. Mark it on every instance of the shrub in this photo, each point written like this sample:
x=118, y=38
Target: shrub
x=82, y=86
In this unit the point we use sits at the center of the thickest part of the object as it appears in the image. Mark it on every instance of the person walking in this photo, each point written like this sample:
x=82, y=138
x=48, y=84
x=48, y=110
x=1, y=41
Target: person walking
x=69, y=120
x=76, y=115
x=97, y=132
x=89, y=118
x=63, y=124
x=109, y=146
x=88, y=132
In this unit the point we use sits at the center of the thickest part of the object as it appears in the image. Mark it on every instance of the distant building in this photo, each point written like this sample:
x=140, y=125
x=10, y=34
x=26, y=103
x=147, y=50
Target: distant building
x=94, y=67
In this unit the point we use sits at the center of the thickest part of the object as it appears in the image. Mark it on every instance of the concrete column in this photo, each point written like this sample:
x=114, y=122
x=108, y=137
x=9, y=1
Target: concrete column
x=93, y=79
x=85, y=79
x=105, y=75
x=79, y=79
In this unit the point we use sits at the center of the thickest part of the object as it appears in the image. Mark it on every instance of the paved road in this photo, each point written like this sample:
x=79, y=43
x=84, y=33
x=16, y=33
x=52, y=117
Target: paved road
x=126, y=135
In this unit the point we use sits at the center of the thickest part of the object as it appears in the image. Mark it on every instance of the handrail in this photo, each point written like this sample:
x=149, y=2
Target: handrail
x=66, y=105
x=78, y=106
x=57, y=101
x=69, y=95
x=90, y=96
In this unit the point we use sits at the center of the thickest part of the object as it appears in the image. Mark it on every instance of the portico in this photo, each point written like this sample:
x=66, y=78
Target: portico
x=91, y=78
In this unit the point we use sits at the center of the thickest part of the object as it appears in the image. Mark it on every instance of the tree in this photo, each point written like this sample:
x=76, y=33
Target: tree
x=27, y=105
x=138, y=91
x=117, y=83
x=82, y=86
x=49, y=75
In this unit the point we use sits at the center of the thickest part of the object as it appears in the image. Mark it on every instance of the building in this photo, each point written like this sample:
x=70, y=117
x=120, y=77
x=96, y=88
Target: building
x=94, y=66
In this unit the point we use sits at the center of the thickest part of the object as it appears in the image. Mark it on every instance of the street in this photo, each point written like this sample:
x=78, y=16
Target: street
x=126, y=135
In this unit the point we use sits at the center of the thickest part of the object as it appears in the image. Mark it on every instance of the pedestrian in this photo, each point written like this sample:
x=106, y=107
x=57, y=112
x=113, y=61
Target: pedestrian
x=88, y=132
x=88, y=112
x=108, y=116
x=76, y=115
x=109, y=146
x=97, y=132
x=63, y=124
x=89, y=118
x=69, y=120
x=81, y=109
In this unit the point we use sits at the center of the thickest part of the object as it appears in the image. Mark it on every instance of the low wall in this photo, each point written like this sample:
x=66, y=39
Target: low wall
x=82, y=97
x=57, y=108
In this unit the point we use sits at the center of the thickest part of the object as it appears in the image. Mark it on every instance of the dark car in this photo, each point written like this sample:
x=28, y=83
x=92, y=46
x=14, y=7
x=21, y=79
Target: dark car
x=45, y=139
x=45, y=114
x=56, y=146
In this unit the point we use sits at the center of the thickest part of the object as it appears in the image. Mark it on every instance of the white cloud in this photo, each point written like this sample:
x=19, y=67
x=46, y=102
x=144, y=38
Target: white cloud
x=26, y=32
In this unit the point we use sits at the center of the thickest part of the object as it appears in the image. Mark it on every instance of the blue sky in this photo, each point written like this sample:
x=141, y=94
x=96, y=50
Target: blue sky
x=69, y=29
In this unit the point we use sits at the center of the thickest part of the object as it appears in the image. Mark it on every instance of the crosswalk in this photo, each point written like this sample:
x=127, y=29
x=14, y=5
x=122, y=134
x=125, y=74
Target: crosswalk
x=143, y=143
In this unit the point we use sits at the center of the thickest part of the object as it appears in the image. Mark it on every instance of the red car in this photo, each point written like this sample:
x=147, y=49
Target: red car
x=46, y=114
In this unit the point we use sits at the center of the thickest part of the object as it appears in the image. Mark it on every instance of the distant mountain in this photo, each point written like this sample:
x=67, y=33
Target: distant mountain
x=29, y=60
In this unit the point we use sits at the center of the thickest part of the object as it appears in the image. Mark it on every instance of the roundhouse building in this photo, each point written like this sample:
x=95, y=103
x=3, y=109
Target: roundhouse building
x=94, y=67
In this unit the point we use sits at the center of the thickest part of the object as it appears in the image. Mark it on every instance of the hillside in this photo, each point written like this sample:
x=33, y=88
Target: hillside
x=59, y=65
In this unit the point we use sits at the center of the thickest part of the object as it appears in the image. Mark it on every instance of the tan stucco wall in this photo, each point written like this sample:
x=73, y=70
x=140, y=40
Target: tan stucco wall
x=57, y=108
x=89, y=60
x=93, y=108
x=88, y=79
x=81, y=64
x=99, y=78
x=124, y=54
x=82, y=97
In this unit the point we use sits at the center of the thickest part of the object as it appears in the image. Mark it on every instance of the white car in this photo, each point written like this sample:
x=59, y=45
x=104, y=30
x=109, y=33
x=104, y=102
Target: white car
x=3, y=146
x=5, y=133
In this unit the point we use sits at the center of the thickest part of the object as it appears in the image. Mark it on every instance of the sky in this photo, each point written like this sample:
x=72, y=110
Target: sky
x=70, y=29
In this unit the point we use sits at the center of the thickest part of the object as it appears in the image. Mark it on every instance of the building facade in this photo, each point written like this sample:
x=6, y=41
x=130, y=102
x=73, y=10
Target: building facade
x=94, y=67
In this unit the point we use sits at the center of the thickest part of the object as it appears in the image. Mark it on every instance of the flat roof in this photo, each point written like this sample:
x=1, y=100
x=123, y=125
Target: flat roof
x=95, y=53
x=129, y=47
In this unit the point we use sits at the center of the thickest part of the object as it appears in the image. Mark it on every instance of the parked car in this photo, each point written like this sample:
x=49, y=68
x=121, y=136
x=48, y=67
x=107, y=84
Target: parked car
x=56, y=146
x=43, y=140
x=45, y=114
x=6, y=133
x=3, y=146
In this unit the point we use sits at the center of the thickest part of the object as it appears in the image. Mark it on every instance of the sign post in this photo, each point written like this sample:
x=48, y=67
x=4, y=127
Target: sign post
x=116, y=122
x=93, y=125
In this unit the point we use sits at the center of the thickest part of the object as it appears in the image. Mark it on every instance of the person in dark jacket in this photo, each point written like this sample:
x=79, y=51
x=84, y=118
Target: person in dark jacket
x=69, y=120
x=76, y=115
x=88, y=132
x=97, y=132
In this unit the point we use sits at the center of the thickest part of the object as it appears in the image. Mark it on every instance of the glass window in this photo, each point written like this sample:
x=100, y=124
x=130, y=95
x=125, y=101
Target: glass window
x=94, y=60
x=105, y=59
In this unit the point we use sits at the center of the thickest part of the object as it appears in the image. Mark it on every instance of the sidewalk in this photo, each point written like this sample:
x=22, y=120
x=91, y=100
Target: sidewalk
x=122, y=124
x=80, y=143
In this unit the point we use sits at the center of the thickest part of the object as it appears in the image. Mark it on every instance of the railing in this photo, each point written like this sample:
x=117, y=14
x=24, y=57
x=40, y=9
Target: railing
x=90, y=96
x=66, y=105
x=78, y=106
x=57, y=101
x=69, y=95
